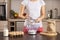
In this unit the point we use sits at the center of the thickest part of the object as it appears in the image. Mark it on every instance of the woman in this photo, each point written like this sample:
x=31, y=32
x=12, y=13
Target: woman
x=36, y=10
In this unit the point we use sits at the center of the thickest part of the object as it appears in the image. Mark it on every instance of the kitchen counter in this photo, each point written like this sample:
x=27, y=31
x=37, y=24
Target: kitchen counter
x=57, y=24
x=20, y=22
x=24, y=20
x=30, y=37
x=16, y=19
x=57, y=20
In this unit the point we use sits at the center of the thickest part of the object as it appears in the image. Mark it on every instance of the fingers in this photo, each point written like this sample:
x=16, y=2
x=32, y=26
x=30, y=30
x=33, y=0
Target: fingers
x=37, y=20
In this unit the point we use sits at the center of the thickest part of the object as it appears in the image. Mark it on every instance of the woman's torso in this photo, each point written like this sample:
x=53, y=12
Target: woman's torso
x=34, y=9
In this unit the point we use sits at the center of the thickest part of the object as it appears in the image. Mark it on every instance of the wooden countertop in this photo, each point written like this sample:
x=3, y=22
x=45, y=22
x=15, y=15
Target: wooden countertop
x=57, y=20
x=16, y=19
x=30, y=37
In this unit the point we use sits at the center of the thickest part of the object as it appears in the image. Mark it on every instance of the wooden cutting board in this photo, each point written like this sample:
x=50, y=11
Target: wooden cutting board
x=48, y=34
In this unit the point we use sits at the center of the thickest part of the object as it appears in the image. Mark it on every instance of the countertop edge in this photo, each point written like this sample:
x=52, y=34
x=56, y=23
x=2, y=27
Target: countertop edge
x=44, y=20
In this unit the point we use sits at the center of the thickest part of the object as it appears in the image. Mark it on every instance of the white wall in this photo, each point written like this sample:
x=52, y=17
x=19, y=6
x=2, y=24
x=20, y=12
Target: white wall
x=15, y=5
x=52, y=4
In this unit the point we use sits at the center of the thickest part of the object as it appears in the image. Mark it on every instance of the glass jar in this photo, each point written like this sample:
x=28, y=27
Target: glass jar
x=5, y=31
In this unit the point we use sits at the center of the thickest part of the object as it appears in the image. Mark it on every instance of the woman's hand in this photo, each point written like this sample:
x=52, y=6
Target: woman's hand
x=24, y=16
x=38, y=20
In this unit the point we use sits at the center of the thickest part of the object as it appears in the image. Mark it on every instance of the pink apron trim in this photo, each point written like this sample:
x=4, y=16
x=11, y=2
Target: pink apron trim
x=40, y=29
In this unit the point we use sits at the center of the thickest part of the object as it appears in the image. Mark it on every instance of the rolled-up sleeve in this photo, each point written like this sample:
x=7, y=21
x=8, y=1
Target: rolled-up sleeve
x=24, y=2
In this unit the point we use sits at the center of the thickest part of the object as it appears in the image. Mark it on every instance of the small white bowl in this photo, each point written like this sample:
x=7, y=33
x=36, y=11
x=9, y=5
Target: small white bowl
x=31, y=31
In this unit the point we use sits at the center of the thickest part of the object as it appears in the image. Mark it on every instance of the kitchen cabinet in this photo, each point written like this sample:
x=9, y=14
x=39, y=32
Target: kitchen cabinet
x=16, y=24
x=58, y=26
x=11, y=25
x=7, y=3
x=19, y=25
x=2, y=25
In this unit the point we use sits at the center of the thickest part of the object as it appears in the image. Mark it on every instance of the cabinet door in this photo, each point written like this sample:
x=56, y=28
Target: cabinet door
x=58, y=26
x=2, y=0
x=20, y=25
x=2, y=25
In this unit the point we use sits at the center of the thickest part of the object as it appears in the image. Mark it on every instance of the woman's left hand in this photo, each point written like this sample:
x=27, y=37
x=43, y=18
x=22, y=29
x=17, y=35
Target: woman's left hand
x=38, y=20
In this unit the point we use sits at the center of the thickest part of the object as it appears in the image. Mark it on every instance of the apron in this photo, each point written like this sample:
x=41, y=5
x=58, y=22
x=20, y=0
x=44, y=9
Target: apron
x=30, y=24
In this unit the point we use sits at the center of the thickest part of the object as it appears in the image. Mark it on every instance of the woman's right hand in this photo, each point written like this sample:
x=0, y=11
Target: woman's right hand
x=24, y=16
x=21, y=17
